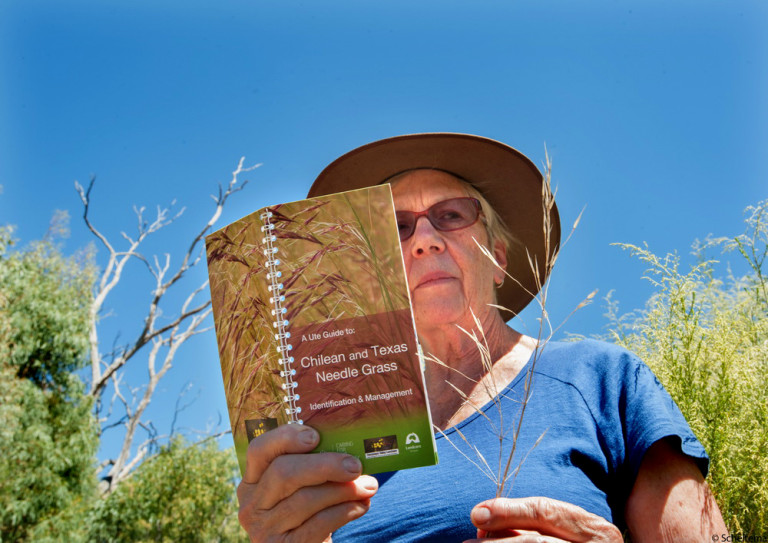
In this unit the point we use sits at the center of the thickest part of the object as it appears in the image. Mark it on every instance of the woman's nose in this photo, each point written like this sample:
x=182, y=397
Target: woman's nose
x=426, y=239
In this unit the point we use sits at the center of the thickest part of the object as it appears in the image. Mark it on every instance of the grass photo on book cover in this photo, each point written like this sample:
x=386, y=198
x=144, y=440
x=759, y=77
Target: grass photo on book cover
x=341, y=270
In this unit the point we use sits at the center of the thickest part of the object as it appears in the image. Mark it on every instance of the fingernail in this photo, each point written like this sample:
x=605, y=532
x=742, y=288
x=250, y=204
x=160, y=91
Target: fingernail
x=481, y=515
x=369, y=483
x=352, y=464
x=308, y=436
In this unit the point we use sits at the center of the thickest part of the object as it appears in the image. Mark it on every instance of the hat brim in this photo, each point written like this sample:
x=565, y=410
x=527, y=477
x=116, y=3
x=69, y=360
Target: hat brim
x=505, y=177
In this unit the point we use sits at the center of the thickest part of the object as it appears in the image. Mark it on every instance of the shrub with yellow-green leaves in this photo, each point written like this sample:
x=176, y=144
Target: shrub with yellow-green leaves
x=706, y=338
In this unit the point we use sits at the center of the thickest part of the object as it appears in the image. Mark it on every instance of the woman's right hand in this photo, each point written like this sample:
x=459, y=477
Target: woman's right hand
x=289, y=494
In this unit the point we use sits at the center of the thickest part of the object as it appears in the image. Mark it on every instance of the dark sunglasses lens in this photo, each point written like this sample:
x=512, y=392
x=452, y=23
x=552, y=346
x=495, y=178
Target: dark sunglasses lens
x=445, y=216
x=405, y=224
x=453, y=214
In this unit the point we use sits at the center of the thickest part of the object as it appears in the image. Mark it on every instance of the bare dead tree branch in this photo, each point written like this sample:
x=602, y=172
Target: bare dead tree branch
x=157, y=342
x=179, y=408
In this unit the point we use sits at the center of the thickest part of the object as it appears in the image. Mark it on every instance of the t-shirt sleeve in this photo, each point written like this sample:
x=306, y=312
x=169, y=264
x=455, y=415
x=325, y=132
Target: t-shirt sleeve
x=650, y=414
x=632, y=411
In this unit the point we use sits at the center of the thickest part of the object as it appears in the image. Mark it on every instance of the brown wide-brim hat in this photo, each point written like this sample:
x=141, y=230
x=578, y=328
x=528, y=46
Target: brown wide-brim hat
x=504, y=176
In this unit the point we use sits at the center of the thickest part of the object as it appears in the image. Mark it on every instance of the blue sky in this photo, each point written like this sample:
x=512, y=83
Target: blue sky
x=654, y=114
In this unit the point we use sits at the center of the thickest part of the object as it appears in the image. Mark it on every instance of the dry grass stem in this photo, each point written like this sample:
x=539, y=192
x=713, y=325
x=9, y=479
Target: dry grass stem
x=507, y=469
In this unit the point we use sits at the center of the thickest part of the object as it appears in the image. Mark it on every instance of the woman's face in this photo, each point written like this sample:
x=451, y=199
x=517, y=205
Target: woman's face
x=447, y=274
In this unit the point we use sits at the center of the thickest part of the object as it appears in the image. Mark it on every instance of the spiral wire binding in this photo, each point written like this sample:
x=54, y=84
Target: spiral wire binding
x=280, y=324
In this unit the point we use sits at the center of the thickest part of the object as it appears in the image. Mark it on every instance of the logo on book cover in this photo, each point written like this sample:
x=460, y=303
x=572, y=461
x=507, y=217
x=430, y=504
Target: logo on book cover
x=381, y=446
x=412, y=442
x=256, y=427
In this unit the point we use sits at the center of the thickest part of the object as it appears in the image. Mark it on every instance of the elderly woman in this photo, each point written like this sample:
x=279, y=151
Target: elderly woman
x=616, y=453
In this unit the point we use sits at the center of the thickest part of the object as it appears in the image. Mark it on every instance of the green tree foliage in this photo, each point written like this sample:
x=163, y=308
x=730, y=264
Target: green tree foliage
x=183, y=493
x=47, y=297
x=48, y=436
x=706, y=338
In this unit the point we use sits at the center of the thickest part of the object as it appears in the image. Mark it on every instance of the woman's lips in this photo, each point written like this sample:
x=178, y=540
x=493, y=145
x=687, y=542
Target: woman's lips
x=433, y=279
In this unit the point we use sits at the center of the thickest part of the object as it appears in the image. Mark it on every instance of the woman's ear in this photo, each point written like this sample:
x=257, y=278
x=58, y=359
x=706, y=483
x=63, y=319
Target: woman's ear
x=500, y=254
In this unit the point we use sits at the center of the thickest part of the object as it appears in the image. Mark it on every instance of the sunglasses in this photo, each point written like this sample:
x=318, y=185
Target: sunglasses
x=445, y=216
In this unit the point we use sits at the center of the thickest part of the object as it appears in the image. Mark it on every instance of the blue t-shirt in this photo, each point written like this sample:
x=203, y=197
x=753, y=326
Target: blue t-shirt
x=595, y=409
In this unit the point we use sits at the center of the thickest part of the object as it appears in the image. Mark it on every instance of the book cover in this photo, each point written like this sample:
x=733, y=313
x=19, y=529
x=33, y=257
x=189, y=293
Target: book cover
x=314, y=325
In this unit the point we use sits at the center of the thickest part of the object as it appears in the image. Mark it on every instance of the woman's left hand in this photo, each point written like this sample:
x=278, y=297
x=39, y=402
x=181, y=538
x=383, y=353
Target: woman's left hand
x=537, y=520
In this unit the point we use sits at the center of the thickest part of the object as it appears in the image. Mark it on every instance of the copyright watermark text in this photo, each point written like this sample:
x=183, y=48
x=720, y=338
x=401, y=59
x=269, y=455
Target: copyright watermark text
x=739, y=538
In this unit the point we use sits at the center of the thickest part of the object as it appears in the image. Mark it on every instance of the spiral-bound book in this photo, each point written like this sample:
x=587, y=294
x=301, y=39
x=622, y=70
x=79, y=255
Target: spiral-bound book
x=314, y=326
